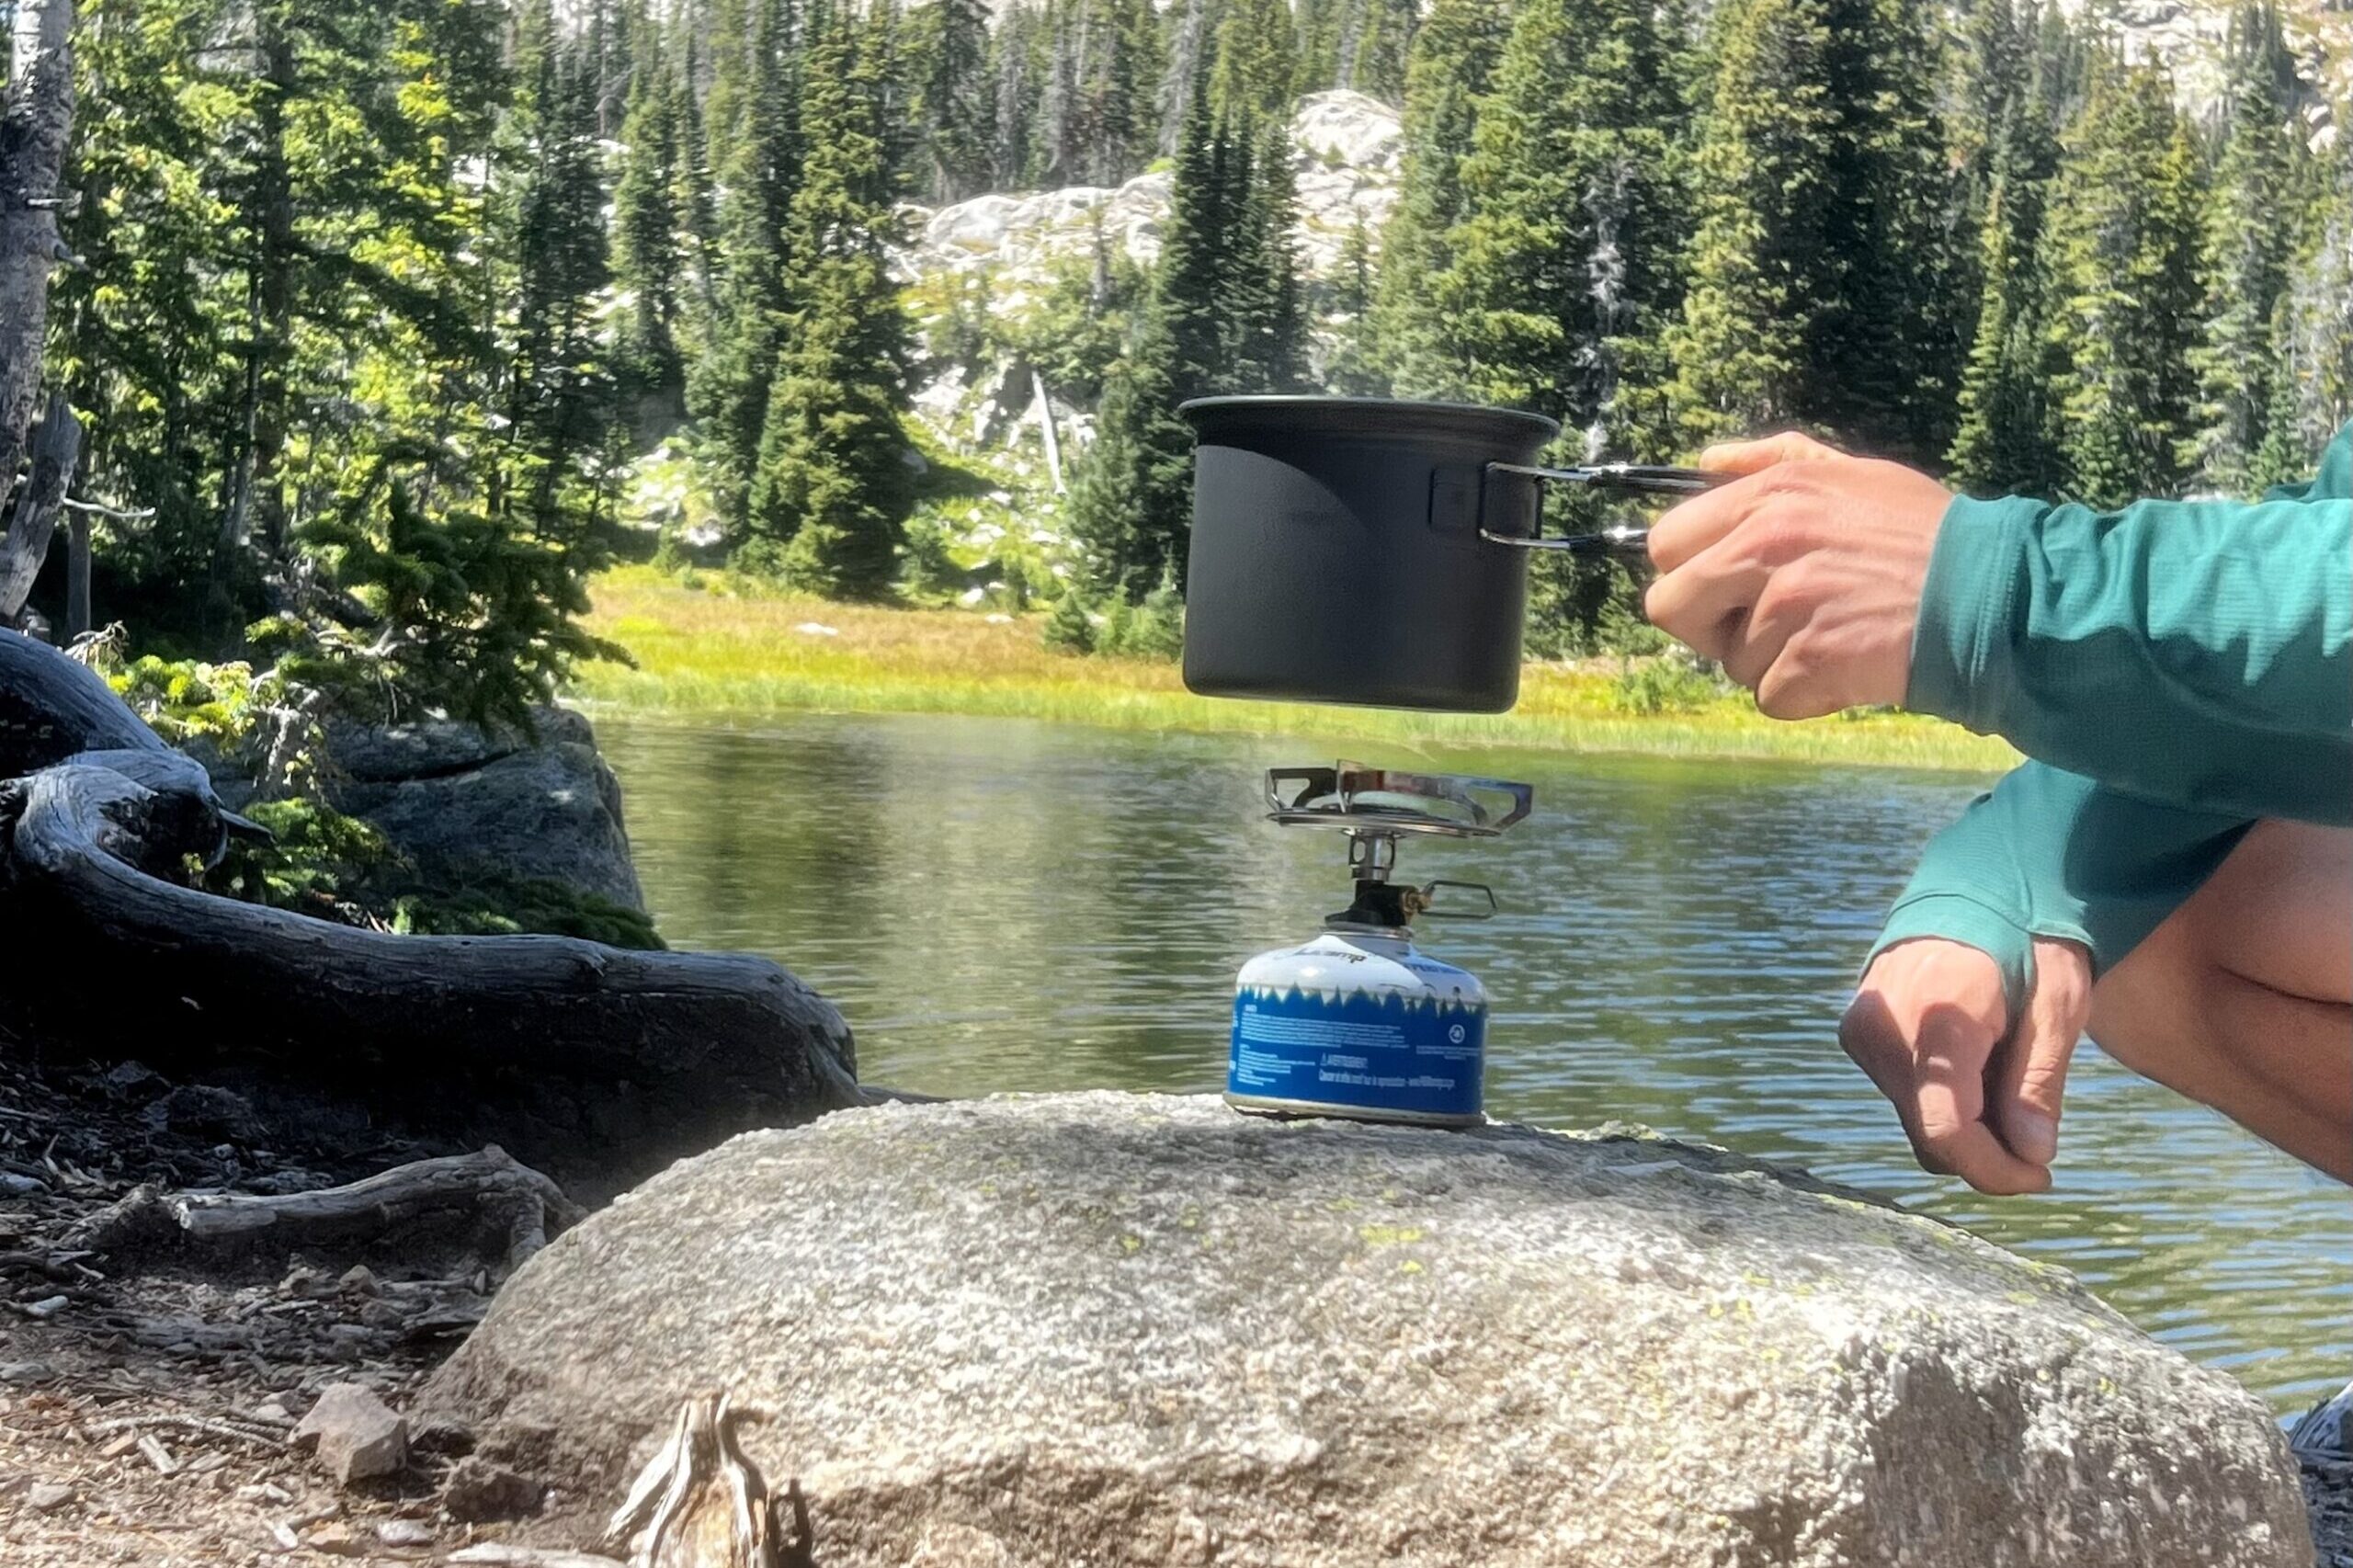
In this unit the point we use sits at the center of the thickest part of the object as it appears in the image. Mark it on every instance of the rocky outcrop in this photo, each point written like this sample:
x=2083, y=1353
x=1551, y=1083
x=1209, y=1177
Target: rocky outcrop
x=1126, y=1330
x=465, y=804
x=1344, y=153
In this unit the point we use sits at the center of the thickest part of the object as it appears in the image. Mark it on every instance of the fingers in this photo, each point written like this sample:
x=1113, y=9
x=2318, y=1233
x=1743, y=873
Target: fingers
x=1924, y=1026
x=1682, y=532
x=1705, y=601
x=1751, y=457
x=2031, y=1076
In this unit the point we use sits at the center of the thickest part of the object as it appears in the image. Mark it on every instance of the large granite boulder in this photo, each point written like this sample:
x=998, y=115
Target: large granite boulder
x=466, y=804
x=1114, y=1329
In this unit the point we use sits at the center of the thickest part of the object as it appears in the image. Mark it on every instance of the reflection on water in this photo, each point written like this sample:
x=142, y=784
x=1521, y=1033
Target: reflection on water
x=1001, y=905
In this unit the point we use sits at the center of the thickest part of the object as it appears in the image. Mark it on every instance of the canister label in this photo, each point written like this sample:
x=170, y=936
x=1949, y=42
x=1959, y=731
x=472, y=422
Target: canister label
x=1373, y=1050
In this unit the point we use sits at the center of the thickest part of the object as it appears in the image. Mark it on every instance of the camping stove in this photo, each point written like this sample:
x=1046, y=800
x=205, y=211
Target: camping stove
x=1358, y=1023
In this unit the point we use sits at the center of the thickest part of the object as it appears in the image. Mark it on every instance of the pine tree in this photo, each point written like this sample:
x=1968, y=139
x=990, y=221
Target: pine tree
x=1014, y=51
x=2120, y=247
x=1257, y=60
x=2312, y=387
x=2008, y=441
x=1886, y=357
x=831, y=490
x=1372, y=55
x=2247, y=251
x=1817, y=285
x=1353, y=370
x=1568, y=243
x=954, y=106
x=1116, y=65
x=1131, y=505
x=648, y=262
x=1318, y=26
x=752, y=120
x=558, y=391
x=1264, y=342
x=1758, y=276
x=1452, y=62
x=1191, y=31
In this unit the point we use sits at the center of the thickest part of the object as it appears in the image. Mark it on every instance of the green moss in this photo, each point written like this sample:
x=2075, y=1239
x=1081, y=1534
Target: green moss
x=509, y=906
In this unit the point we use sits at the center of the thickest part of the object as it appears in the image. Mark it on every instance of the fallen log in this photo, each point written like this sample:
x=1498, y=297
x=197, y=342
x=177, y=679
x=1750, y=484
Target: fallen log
x=489, y=1186
x=597, y=1064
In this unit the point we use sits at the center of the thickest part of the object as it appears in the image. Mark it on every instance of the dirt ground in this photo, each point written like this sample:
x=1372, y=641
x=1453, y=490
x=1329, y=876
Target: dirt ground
x=148, y=1395
x=147, y=1400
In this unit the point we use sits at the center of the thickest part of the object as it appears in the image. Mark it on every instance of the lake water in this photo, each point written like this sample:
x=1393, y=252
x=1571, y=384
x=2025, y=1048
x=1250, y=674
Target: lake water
x=1000, y=905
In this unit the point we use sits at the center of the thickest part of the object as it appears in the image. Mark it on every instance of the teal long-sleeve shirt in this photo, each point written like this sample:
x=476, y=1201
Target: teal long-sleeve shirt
x=2176, y=671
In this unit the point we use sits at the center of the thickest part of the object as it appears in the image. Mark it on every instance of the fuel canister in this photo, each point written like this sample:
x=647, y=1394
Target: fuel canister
x=1358, y=1023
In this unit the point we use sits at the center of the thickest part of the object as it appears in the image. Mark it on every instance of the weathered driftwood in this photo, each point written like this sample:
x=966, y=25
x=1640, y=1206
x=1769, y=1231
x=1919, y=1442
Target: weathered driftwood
x=701, y=1502
x=490, y=1185
x=594, y=1062
x=52, y=708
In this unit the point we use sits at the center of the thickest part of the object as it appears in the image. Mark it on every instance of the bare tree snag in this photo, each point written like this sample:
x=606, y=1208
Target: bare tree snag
x=34, y=127
x=57, y=447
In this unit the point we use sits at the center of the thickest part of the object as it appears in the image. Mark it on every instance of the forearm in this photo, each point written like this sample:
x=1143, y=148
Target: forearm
x=2049, y=853
x=2195, y=653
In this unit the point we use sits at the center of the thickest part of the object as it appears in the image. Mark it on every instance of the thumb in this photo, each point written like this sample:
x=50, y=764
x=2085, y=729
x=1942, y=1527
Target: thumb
x=2032, y=1077
x=1754, y=457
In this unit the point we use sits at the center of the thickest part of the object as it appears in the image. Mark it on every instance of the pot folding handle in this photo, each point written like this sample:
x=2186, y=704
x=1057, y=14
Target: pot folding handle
x=1637, y=478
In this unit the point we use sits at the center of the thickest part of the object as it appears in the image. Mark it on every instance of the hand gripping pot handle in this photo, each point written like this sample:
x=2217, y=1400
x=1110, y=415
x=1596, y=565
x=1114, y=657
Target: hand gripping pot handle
x=1622, y=541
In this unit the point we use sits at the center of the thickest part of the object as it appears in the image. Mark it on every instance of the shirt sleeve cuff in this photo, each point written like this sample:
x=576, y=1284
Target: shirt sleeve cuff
x=1956, y=917
x=1968, y=608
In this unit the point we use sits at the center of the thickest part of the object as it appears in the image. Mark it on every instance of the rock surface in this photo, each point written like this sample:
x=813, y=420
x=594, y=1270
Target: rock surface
x=1118, y=1329
x=1345, y=158
x=464, y=803
x=358, y=1437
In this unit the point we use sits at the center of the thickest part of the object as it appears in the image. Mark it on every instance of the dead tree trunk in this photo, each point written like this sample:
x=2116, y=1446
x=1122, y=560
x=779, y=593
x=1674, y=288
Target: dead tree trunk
x=594, y=1063
x=33, y=130
x=57, y=446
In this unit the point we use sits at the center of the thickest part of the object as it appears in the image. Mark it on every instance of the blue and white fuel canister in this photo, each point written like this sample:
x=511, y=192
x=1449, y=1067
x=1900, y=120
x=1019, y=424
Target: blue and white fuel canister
x=1358, y=1023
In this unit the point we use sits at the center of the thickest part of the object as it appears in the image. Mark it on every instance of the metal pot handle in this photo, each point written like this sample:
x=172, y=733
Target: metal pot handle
x=1624, y=540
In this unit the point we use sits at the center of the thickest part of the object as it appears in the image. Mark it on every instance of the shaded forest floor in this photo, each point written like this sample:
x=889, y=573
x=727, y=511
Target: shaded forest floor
x=147, y=1403
x=718, y=648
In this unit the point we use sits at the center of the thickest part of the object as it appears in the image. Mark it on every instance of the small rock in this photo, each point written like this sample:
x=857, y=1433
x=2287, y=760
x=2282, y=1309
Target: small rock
x=204, y=1110
x=358, y=1437
x=336, y=1540
x=478, y=1490
x=358, y=1281
x=47, y=1307
x=14, y=1185
x=48, y=1496
x=133, y=1080
x=26, y=1371
x=404, y=1532
x=303, y=1282
x=381, y=1315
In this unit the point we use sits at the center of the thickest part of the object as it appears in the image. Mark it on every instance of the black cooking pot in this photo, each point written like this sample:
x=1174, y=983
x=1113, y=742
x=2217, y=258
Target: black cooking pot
x=1370, y=551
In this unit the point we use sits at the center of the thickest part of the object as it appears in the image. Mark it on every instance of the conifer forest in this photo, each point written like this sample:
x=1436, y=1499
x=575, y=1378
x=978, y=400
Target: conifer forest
x=383, y=318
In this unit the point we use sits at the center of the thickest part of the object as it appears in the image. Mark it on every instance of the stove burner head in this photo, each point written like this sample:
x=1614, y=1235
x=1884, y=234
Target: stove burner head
x=1380, y=799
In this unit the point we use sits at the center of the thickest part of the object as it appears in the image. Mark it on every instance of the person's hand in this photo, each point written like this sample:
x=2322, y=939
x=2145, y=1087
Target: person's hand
x=1979, y=1099
x=1802, y=579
